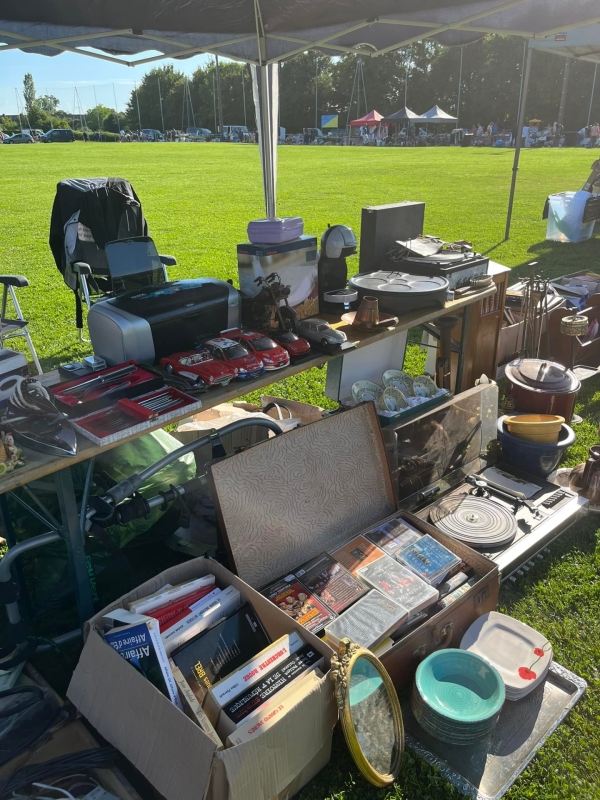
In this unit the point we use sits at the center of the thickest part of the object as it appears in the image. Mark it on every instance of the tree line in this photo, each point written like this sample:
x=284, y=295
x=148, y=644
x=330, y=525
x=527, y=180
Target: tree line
x=312, y=85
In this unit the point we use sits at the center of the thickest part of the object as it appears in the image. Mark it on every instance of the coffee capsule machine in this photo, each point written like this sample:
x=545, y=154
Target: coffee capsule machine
x=337, y=244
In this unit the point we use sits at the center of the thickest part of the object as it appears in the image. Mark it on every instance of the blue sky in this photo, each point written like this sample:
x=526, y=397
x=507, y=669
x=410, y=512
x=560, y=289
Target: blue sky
x=61, y=74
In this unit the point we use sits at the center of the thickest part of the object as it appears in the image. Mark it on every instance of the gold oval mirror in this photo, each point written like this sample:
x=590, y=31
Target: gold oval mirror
x=369, y=712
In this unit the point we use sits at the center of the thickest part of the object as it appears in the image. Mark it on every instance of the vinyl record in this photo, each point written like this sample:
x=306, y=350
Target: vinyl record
x=475, y=521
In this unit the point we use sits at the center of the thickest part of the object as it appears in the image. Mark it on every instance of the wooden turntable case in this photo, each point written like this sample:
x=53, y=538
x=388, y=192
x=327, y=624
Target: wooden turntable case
x=313, y=489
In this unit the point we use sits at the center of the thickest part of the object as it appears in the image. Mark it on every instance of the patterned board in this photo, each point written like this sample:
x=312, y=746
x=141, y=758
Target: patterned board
x=292, y=497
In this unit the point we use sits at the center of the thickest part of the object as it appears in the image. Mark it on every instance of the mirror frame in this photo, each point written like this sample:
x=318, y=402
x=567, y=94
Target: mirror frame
x=341, y=670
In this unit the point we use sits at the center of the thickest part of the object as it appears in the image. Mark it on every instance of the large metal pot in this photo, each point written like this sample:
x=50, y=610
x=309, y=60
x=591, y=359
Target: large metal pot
x=542, y=387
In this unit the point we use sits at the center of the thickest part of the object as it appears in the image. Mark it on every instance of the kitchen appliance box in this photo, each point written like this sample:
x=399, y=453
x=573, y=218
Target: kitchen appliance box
x=170, y=750
x=312, y=490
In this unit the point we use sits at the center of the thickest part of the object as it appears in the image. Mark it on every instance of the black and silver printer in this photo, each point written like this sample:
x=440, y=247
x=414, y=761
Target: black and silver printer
x=148, y=324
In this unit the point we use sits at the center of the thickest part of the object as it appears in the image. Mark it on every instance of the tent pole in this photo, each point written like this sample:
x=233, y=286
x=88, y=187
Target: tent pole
x=592, y=94
x=520, y=122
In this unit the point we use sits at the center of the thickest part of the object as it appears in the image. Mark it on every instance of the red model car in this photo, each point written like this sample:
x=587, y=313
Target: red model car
x=270, y=353
x=235, y=355
x=200, y=368
x=294, y=344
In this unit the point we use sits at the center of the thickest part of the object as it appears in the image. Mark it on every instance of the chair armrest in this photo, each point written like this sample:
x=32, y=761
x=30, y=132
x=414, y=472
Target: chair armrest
x=168, y=261
x=81, y=268
x=14, y=280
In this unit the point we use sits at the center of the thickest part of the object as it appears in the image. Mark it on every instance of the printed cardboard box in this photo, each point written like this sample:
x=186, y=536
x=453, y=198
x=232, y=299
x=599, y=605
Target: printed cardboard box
x=170, y=750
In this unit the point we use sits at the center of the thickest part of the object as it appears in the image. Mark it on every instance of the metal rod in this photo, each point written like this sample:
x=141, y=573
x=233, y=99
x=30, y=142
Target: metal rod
x=459, y=86
x=520, y=122
x=86, y=491
x=563, y=92
x=161, y=108
x=97, y=114
x=137, y=100
x=116, y=109
x=592, y=94
x=49, y=518
x=7, y=560
x=33, y=512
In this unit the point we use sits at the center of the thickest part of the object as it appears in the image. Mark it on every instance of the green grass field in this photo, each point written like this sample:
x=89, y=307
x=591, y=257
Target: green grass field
x=198, y=200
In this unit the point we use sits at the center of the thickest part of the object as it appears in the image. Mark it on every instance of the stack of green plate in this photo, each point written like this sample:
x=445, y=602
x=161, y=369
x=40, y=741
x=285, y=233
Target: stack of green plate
x=457, y=696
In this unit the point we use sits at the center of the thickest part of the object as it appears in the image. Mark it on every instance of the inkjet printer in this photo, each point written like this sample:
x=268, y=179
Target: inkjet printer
x=145, y=325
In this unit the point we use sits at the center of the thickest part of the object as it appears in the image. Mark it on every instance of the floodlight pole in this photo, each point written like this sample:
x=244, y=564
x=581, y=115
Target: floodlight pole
x=137, y=100
x=97, y=114
x=459, y=86
x=316, y=91
x=219, y=100
x=592, y=94
x=161, y=108
x=215, y=103
x=520, y=122
x=563, y=93
x=405, y=87
x=116, y=110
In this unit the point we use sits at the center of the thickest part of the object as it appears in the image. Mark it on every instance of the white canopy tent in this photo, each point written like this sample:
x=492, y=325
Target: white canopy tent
x=265, y=32
x=582, y=44
x=436, y=114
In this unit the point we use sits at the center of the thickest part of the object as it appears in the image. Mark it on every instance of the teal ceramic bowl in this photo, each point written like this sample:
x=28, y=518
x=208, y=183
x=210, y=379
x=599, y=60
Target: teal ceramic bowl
x=460, y=686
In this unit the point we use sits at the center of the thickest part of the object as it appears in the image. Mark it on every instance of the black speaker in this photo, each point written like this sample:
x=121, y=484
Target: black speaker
x=382, y=226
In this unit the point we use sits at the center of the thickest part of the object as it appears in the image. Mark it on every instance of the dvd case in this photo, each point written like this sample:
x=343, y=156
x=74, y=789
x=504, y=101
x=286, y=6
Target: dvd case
x=397, y=582
x=429, y=559
x=368, y=622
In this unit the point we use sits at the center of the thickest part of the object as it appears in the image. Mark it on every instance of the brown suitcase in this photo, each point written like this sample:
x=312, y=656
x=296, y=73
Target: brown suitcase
x=292, y=497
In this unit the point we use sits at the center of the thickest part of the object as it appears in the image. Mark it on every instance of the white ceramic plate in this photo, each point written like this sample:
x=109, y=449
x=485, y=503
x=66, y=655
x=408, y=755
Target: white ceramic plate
x=362, y=391
x=399, y=379
x=393, y=399
x=423, y=386
x=520, y=654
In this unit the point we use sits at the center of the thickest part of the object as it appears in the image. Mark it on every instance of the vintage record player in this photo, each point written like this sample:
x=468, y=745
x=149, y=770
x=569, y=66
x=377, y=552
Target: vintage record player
x=447, y=469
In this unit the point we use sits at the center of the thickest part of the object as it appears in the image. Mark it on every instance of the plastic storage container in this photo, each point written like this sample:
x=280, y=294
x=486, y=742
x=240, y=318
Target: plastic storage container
x=565, y=217
x=275, y=231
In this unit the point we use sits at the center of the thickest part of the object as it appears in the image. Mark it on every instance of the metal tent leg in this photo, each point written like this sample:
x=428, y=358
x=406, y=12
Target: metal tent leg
x=73, y=536
x=520, y=123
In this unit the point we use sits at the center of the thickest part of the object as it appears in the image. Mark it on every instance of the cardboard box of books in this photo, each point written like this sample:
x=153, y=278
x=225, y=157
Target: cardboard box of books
x=317, y=530
x=207, y=687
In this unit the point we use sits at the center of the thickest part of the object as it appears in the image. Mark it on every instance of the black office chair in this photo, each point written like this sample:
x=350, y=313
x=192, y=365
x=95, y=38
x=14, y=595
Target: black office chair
x=87, y=215
x=14, y=328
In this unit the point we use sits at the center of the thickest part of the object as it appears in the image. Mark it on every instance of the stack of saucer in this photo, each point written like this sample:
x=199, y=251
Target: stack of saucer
x=521, y=655
x=457, y=696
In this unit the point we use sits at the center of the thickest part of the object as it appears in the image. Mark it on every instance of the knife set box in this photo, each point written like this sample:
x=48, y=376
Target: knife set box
x=104, y=388
x=292, y=497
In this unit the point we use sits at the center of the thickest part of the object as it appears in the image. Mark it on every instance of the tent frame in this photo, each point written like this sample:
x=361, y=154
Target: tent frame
x=428, y=30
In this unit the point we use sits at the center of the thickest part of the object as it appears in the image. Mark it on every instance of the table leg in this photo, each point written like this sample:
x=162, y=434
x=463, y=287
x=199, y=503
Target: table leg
x=466, y=324
x=73, y=535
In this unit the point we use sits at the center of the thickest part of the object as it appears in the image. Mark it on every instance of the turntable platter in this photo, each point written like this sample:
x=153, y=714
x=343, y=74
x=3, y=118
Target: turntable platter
x=475, y=521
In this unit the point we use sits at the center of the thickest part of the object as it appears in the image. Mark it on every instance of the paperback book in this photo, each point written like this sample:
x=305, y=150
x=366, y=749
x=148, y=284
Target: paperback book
x=192, y=707
x=253, y=670
x=218, y=651
x=303, y=661
x=293, y=598
x=273, y=710
x=358, y=552
x=393, y=536
x=205, y=614
x=368, y=622
x=136, y=638
x=170, y=595
x=326, y=578
x=429, y=559
x=400, y=584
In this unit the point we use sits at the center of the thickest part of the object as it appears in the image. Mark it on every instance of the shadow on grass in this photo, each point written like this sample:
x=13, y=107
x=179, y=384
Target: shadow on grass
x=557, y=258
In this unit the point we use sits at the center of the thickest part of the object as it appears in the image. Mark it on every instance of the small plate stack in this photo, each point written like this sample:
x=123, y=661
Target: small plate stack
x=520, y=654
x=457, y=696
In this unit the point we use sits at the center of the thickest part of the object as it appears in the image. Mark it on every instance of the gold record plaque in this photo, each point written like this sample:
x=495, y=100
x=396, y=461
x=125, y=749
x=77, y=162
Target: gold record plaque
x=369, y=712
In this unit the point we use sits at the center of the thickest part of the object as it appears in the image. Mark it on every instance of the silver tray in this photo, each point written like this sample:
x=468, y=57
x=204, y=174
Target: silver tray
x=487, y=770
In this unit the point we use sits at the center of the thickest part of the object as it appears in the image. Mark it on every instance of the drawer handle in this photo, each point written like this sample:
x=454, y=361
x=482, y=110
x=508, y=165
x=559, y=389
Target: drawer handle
x=439, y=642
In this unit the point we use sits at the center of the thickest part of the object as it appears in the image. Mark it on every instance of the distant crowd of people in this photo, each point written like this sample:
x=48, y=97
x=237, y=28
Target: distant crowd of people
x=589, y=135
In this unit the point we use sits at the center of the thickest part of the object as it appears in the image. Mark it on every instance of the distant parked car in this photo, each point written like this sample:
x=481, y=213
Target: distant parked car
x=58, y=135
x=151, y=135
x=19, y=138
x=198, y=133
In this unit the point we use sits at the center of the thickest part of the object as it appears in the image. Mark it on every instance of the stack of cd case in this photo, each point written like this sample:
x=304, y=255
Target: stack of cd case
x=399, y=583
x=429, y=559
